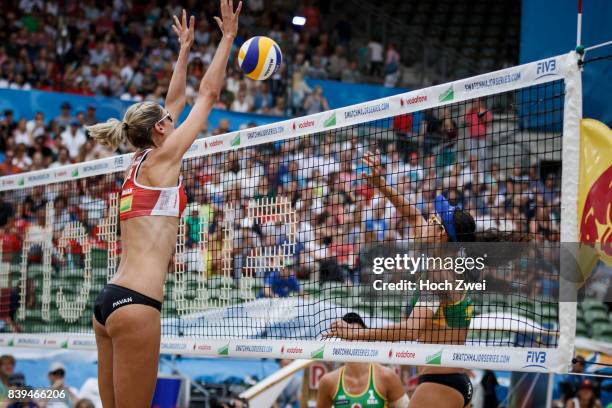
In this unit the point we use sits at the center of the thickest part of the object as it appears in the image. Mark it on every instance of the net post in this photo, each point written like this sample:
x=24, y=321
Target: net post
x=570, y=157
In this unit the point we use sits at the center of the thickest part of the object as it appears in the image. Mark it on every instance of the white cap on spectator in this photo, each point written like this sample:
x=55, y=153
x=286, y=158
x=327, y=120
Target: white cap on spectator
x=56, y=366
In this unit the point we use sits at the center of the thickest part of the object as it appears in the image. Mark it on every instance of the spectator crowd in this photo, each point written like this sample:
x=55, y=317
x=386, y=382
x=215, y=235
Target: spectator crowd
x=127, y=50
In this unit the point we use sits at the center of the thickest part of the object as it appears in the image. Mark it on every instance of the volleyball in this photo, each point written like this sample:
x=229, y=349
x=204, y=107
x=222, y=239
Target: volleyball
x=259, y=58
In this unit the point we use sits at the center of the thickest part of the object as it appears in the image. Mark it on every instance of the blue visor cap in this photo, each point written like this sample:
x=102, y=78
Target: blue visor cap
x=446, y=212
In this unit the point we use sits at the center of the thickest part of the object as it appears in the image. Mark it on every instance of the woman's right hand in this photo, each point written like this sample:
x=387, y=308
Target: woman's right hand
x=372, y=160
x=228, y=23
x=184, y=32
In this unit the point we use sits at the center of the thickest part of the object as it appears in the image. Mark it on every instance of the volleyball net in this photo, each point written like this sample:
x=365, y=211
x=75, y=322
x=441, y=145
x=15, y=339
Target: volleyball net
x=285, y=232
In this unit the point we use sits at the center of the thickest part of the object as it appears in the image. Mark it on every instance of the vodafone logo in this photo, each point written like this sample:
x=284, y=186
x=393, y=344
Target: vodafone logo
x=303, y=125
x=214, y=143
x=291, y=350
x=414, y=100
x=406, y=355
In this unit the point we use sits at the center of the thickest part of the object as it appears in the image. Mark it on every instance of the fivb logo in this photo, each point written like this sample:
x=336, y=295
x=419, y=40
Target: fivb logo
x=535, y=359
x=546, y=68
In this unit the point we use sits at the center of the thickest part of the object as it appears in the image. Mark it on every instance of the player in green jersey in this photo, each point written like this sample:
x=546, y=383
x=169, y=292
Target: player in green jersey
x=361, y=385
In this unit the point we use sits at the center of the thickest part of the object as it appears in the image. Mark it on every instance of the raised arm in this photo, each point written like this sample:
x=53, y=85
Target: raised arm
x=407, y=329
x=210, y=87
x=406, y=208
x=175, y=99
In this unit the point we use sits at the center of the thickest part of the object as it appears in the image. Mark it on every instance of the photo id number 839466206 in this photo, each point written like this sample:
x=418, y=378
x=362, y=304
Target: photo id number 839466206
x=39, y=394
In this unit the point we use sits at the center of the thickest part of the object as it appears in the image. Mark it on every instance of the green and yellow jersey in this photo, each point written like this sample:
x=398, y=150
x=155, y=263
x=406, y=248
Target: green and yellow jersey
x=370, y=398
x=456, y=315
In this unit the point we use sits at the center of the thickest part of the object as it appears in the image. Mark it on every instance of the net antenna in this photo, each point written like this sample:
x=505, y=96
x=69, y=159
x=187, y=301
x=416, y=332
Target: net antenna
x=579, y=25
x=182, y=258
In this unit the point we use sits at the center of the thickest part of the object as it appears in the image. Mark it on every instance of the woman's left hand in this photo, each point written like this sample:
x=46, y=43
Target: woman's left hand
x=184, y=32
x=228, y=23
x=342, y=330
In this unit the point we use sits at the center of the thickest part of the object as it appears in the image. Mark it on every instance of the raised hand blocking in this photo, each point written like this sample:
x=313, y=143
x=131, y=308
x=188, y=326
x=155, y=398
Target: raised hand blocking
x=228, y=23
x=183, y=31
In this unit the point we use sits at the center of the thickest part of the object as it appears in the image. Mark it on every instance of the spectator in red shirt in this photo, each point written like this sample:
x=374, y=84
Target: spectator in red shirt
x=7, y=168
x=477, y=119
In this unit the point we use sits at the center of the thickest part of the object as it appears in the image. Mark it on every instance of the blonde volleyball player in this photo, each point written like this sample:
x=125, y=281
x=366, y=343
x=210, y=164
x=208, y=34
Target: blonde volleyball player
x=361, y=384
x=431, y=320
x=127, y=311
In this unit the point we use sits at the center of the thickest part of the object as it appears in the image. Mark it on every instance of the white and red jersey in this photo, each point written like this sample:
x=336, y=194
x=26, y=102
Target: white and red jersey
x=140, y=201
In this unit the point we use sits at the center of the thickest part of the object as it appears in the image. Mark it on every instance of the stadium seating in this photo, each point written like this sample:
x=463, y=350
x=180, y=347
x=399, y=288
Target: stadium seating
x=438, y=29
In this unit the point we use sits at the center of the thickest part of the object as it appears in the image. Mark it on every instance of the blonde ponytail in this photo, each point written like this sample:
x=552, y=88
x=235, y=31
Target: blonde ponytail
x=111, y=133
x=135, y=128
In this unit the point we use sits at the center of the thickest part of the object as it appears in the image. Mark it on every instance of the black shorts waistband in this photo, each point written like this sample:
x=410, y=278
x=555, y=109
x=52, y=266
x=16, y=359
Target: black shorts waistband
x=112, y=297
x=457, y=381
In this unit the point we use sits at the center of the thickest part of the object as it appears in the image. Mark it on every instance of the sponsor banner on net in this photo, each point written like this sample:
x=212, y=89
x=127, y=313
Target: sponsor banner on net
x=330, y=119
x=302, y=350
x=95, y=168
x=235, y=139
x=491, y=81
x=6, y=341
x=414, y=101
x=401, y=355
x=210, y=347
x=546, y=68
x=485, y=358
x=175, y=346
x=536, y=359
x=54, y=342
x=212, y=144
x=8, y=182
x=252, y=349
x=306, y=124
x=36, y=178
x=353, y=352
x=264, y=132
x=119, y=162
x=61, y=173
x=82, y=344
x=27, y=341
x=371, y=110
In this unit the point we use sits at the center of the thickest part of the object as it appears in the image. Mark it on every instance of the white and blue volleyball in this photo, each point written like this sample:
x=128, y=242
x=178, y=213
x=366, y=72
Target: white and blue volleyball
x=259, y=58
